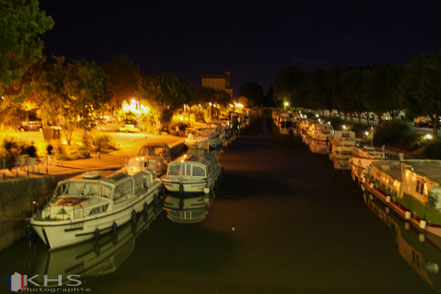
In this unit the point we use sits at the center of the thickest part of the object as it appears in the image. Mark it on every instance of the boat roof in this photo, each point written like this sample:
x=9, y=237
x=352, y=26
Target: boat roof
x=428, y=168
x=102, y=175
x=202, y=159
x=162, y=144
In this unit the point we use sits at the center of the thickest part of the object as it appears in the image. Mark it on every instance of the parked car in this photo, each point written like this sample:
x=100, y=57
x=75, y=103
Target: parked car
x=32, y=125
x=129, y=128
x=108, y=126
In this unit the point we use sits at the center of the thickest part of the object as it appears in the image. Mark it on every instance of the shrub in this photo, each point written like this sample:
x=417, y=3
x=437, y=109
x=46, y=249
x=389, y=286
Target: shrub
x=397, y=134
x=11, y=148
x=73, y=152
x=102, y=143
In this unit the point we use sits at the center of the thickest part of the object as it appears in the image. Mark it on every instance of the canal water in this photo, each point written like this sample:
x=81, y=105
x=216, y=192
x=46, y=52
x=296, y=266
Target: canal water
x=284, y=221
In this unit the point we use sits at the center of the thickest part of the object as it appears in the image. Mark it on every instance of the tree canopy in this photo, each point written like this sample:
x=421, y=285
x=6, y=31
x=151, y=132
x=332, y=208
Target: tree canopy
x=21, y=24
x=252, y=92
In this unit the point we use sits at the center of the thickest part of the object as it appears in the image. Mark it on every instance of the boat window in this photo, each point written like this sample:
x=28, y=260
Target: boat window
x=188, y=170
x=74, y=188
x=140, y=186
x=174, y=170
x=99, y=209
x=106, y=191
x=420, y=187
x=198, y=171
x=122, y=190
x=91, y=189
x=60, y=189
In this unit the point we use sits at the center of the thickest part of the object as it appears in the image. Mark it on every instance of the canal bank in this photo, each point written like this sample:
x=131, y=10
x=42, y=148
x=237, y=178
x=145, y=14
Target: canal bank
x=16, y=203
x=283, y=221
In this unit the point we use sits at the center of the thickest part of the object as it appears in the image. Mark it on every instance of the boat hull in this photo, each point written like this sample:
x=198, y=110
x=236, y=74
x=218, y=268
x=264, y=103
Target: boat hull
x=58, y=234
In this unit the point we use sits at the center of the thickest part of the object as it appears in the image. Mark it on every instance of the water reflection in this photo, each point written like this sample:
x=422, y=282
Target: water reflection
x=91, y=258
x=423, y=255
x=188, y=208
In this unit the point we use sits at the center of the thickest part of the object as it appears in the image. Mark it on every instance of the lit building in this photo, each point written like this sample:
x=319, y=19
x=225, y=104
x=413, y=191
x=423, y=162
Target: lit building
x=218, y=82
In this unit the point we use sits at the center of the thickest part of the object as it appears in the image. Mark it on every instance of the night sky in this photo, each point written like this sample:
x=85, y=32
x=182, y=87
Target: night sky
x=253, y=39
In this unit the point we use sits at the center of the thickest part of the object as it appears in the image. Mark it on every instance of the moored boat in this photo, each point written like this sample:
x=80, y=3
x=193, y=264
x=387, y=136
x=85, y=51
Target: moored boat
x=411, y=188
x=195, y=174
x=87, y=206
x=362, y=157
x=155, y=156
x=341, y=148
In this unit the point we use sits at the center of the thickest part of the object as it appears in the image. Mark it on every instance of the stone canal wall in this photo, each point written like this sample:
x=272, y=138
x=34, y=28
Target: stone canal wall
x=16, y=198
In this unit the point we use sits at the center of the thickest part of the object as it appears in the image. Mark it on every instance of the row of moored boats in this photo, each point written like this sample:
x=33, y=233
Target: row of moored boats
x=86, y=206
x=410, y=187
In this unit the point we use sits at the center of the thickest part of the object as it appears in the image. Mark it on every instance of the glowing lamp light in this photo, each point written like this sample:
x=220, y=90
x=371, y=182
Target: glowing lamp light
x=209, y=103
x=200, y=105
x=344, y=127
x=214, y=105
x=231, y=105
x=329, y=122
x=319, y=120
x=366, y=133
x=286, y=103
x=429, y=136
x=316, y=115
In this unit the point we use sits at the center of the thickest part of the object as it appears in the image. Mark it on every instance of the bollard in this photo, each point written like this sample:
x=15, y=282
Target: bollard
x=4, y=167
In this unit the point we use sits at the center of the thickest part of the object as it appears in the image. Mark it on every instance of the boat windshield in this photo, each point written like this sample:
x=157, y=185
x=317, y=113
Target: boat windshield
x=151, y=151
x=174, y=170
x=74, y=188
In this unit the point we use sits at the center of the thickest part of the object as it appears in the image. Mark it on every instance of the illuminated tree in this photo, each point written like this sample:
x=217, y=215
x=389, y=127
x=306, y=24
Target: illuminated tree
x=421, y=87
x=21, y=23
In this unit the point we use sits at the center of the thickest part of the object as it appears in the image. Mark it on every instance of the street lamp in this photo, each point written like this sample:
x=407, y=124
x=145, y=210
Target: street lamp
x=286, y=104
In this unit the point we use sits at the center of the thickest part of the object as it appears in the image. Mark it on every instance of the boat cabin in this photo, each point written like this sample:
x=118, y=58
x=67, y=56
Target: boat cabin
x=419, y=179
x=196, y=167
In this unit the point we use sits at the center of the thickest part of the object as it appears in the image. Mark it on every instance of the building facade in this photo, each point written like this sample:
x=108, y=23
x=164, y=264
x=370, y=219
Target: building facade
x=218, y=82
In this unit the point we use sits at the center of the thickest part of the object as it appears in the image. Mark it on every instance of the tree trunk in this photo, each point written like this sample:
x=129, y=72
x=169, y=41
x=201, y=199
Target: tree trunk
x=435, y=122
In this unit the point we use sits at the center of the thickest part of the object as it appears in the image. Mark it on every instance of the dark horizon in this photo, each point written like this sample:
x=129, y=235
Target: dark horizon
x=252, y=39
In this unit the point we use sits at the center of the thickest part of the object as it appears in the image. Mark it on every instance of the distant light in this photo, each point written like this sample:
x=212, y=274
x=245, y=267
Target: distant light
x=344, y=127
x=429, y=137
x=316, y=115
x=3, y=97
x=319, y=120
x=214, y=105
x=233, y=229
x=200, y=105
x=366, y=133
x=209, y=103
x=286, y=103
x=329, y=122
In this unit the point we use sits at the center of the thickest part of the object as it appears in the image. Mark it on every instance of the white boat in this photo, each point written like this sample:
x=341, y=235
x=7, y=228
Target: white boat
x=320, y=132
x=194, y=174
x=202, y=137
x=91, y=258
x=155, y=156
x=341, y=147
x=187, y=209
x=87, y=206
x=362, y=157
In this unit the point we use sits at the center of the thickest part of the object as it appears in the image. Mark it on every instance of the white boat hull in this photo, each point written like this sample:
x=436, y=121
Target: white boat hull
x=58, y=234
